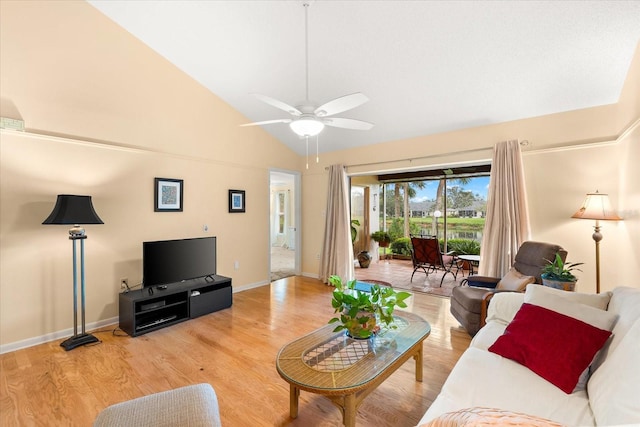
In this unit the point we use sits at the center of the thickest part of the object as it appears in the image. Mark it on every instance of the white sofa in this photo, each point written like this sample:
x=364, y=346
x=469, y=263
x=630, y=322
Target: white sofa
x=483, y=379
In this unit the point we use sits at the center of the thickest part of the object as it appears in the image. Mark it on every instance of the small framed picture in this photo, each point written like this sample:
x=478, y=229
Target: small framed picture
x=236, y=201
x=168, y=195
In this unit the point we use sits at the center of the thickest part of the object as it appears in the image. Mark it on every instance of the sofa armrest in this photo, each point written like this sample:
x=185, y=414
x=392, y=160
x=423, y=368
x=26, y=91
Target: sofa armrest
x=503, y=307
x=484, y=304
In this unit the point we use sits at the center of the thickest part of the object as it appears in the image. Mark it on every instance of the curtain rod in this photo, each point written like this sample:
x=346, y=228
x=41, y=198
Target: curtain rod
x=523, y=143
x=411, y=159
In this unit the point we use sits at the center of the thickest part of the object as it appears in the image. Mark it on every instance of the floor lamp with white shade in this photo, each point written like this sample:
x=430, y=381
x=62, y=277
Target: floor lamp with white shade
x=75, y=210
x=597, y=206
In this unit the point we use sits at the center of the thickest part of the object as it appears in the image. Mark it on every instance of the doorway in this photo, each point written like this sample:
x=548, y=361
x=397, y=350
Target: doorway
x=284, y=224
x=449, y=203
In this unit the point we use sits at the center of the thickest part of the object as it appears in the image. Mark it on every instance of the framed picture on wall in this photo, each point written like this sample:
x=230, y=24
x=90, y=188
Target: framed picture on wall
x=168, y=195
x=236, y=201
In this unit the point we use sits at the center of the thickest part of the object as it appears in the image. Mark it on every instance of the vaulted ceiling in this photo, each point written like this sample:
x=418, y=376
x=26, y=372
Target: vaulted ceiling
x=426, y=66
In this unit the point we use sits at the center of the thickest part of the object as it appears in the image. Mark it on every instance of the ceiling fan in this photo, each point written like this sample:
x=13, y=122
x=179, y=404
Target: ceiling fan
x=309, y=119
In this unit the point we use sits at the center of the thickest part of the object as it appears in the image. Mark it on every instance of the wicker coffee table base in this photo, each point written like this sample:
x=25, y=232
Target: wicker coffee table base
x=348, y=400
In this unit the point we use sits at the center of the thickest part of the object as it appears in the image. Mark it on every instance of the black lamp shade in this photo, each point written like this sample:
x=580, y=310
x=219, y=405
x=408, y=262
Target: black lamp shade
x=74, y=210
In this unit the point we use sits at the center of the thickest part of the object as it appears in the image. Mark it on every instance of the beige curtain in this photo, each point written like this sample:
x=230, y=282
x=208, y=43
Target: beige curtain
x=507, y=223
x=337, y=253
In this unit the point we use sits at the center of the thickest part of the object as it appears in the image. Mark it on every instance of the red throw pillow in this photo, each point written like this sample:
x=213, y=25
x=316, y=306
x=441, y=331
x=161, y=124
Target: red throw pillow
x=553, y=345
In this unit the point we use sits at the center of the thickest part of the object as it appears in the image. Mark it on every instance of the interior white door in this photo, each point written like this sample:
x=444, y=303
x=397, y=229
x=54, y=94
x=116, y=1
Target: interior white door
x=284, y=223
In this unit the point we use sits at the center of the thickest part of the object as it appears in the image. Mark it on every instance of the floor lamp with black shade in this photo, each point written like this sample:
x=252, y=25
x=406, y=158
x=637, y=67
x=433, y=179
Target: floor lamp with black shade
x=75, y=210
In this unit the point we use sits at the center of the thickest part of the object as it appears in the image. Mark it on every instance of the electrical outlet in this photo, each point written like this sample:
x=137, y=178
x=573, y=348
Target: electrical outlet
x=124, y=284
x=236, y=265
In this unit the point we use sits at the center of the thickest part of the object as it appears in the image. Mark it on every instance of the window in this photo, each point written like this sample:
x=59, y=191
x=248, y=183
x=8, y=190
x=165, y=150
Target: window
x=448, y=203
x=281, y=211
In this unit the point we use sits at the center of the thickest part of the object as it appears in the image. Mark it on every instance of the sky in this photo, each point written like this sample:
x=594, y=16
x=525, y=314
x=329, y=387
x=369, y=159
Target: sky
x=478, y=185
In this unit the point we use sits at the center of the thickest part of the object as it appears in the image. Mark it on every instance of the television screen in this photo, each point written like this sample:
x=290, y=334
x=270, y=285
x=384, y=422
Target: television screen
x=171, y=261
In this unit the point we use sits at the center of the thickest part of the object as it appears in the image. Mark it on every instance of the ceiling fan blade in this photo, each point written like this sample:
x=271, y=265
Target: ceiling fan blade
x=267, y=122
x=341, y=104
x=278, y=104
x=338, y=122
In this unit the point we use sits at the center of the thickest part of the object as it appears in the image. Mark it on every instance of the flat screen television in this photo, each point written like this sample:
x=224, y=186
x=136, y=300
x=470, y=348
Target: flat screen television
x=171, y=261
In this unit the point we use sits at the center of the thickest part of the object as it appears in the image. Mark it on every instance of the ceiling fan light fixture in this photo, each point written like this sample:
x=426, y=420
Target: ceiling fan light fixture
x=309, y=119
x=306, y=126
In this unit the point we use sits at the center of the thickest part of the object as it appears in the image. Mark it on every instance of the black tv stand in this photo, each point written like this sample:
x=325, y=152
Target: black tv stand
x=142, y=311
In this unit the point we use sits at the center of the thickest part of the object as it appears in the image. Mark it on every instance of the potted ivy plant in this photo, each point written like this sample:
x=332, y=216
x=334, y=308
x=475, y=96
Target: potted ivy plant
x=558, y=274
x=360, y=311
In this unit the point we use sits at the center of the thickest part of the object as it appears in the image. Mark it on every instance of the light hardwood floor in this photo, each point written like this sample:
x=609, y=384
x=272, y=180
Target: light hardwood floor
x=234, y=350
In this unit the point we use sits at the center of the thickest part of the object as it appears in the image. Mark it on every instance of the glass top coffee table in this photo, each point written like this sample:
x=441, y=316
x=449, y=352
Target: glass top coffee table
x=346, y=370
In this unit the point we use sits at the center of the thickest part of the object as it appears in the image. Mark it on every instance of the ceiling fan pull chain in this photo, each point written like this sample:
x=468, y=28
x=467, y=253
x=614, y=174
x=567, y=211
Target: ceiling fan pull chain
x=317, y=152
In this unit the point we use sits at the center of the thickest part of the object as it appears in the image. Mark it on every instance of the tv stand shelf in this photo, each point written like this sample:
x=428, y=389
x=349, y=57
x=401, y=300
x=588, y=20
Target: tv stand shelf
x=152, y=308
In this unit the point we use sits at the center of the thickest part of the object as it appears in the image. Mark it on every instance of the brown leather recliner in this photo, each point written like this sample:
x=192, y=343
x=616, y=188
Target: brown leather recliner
x=469, y=303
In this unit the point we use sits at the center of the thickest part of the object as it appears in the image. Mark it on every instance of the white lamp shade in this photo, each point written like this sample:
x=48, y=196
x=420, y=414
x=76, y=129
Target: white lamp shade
x=596, y=206
x=306, y=126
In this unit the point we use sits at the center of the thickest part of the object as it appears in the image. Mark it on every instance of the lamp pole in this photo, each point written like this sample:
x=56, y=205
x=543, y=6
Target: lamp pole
x=437, y=215
x=597, y=236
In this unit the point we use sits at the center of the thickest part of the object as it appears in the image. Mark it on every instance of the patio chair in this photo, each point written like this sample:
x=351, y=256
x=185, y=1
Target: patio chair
x=427, y=256
x=469, y=303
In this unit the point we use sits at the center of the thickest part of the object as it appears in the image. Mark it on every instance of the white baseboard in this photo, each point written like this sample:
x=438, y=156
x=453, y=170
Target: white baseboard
x=251, y=286
x=59, y=335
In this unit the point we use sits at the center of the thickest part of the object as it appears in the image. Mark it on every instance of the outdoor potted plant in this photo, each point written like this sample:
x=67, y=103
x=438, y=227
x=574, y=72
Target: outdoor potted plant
x=382, y=237
x=360, y=311
x=558, y=274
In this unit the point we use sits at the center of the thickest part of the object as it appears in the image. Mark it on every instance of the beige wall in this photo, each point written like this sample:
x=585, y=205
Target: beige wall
x=65, y=69
x=68, y=70
x=628, y=262
x=629, y=174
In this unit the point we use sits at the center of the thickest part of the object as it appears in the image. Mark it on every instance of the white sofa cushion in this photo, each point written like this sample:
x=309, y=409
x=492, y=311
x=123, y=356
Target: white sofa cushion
x=572, y=307
x=626, y=303
x=614, y=389
x=481, y=378
x=544, y=294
